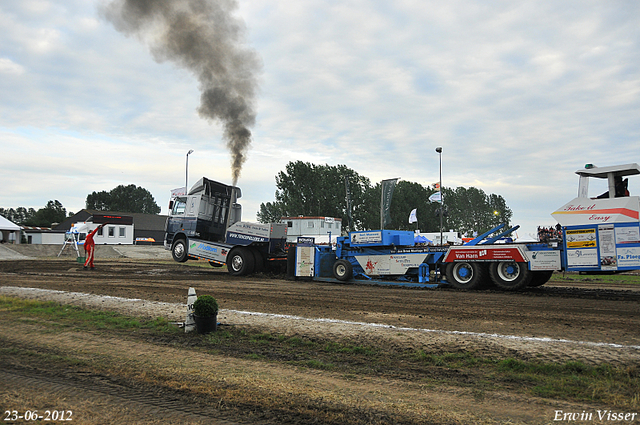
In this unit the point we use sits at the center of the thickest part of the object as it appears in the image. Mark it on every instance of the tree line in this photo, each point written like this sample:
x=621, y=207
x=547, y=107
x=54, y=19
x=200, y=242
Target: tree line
x=126, y=199
x=321, y=190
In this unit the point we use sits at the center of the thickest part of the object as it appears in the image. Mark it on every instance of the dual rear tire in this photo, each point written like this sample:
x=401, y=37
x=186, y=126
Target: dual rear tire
x=506, y=275
x=243, y=261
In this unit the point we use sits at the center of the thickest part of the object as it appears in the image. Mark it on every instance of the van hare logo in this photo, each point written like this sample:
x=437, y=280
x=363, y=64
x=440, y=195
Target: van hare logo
x=482, y=253
x=602, y=415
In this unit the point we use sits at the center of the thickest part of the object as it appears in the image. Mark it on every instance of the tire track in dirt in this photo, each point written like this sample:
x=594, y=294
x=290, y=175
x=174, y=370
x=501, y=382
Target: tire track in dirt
x=141, y=404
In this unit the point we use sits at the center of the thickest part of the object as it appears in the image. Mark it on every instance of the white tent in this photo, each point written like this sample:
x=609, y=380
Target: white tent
x=9, y=231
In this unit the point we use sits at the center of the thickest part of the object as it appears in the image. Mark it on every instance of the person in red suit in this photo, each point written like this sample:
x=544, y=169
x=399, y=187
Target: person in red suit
x=90, y=247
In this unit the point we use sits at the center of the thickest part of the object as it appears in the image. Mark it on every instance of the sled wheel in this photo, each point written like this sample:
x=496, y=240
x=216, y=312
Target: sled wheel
x=342, y=270
x=509, y=275
x=463, y=275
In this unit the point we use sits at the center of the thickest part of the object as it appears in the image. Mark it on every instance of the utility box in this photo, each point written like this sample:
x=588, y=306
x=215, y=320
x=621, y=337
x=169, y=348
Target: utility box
x=305, y=257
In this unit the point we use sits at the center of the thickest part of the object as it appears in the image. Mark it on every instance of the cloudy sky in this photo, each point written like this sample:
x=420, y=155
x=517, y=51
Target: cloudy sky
x=519, y=95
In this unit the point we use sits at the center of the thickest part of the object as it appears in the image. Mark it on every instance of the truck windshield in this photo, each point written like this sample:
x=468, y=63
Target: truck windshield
x=179, y=206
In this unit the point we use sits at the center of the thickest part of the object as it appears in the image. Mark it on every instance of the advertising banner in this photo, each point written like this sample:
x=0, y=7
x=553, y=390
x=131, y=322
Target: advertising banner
x=629, y=257
x=582, y=257
x=545, y=260
x=627, y=234
x=583, y=238
x=607, y=241
x=486, y=254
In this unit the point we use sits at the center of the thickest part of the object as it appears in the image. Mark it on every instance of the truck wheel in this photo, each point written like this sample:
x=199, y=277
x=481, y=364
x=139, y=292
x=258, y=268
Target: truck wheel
x=240, y=262
x=342, y=270
x=463, y=275
x=179, y=251
x=509, y=275
x=540, y=278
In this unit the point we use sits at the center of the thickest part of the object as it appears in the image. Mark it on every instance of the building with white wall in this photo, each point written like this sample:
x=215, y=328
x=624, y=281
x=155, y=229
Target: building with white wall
x=320, y=228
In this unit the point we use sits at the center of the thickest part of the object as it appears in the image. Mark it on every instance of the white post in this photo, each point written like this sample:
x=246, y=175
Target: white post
x=189, y=323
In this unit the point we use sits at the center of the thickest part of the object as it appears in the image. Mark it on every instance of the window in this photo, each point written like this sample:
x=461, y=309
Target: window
x=322, y=224
x=330, y=225
x=310, y=224
x=112, y=231
x=179, y=206
x=289, y=223
x=101, y=231
x=123, y=232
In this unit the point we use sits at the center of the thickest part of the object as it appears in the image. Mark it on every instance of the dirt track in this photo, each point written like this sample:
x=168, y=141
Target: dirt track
x=553, y=323
x=594, y=315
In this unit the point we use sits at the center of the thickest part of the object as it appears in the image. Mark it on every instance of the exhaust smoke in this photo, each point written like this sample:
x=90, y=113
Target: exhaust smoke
x=203, y=37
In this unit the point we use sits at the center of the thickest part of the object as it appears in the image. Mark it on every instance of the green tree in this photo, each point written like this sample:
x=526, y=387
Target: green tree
x=319, y=190
x=270, y=212
x=131, y=199
x=19, y=215
x=315, y=190
x=471, y=209
x=53, y=212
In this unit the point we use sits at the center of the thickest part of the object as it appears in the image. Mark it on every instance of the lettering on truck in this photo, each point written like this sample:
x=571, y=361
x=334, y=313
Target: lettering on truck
x=247, y=237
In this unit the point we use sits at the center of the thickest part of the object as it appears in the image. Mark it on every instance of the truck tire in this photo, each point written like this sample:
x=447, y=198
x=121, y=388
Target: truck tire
x=342, y=270
x=179, y=251
x=539, y=278
x=240, y=262
x=258, y=261
x=463, y=275
x=509, y=275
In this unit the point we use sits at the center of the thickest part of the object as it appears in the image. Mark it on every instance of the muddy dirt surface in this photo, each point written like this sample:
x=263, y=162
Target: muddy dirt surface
x=556, y=322
x=597, y=314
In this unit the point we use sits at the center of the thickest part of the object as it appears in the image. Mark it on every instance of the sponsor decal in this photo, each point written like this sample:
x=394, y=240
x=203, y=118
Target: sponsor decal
x=207, y=248
x=583, y=238
x=582, y=257
x=366, y=237
x=629, y=257
x=486, y=254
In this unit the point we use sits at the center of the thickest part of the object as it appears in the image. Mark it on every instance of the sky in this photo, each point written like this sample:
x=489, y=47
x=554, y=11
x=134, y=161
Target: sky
x=519, y=95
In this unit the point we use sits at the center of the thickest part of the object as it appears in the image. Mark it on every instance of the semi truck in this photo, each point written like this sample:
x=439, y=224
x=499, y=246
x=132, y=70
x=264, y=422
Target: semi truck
x=600, y=234
x=206, y=223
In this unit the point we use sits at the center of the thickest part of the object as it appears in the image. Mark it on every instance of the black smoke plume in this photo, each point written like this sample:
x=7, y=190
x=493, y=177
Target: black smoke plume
x=205, y=38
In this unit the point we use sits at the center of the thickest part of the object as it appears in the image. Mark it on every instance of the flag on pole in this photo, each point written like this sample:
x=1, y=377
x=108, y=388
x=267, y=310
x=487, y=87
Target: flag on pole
x=385, y=203
x=436, y=197
x=413, y=218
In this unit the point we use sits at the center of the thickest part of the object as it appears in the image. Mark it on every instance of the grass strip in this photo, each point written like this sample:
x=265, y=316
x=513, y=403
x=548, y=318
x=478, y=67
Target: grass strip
x=616, y=386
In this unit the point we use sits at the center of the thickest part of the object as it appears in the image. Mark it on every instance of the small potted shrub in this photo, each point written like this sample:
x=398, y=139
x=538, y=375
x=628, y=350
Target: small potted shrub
x=205, y=314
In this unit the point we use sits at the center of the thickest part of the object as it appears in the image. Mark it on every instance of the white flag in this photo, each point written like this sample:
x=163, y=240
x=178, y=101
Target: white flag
x=436, y=197
x=413, y=218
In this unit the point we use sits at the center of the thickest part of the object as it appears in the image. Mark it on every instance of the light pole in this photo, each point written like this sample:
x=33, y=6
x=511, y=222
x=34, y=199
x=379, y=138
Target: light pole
x=186, y=173
x=439, y=150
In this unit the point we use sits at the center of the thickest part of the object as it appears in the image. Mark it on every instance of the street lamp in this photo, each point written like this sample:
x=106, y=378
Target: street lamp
x=186, y=173
x=439, y=150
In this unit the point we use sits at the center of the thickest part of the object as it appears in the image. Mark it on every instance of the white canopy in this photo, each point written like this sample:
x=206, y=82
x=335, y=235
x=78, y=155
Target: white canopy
x=7, y=225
